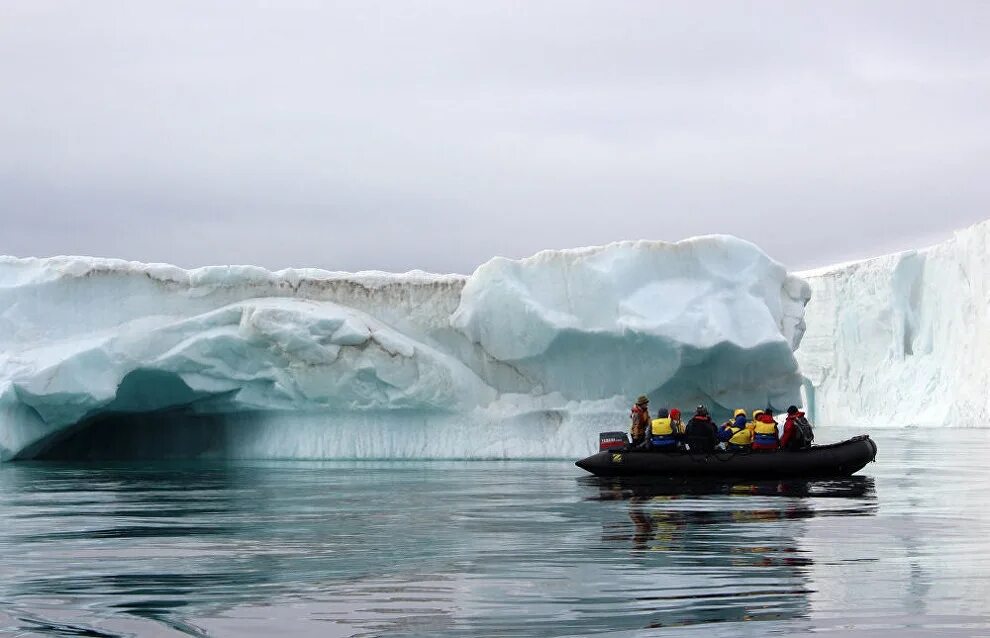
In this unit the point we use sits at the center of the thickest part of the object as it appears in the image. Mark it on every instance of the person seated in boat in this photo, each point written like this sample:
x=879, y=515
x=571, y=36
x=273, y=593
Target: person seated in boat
x=640, y=417
x=662, y=433
x=675, y=421
x=701, y=434
x=766, y=435
x=723, y=429
x=738, y=435
x=732, y=421
x=798, y=434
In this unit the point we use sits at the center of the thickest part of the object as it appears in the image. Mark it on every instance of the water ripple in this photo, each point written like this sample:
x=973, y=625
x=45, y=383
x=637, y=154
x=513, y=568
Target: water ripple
x=492, y=548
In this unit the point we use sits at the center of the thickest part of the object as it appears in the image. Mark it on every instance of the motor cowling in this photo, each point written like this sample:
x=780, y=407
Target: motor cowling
x=610, y=440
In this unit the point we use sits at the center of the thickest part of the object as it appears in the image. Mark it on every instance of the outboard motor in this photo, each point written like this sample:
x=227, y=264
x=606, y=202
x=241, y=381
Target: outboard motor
x=610, y=440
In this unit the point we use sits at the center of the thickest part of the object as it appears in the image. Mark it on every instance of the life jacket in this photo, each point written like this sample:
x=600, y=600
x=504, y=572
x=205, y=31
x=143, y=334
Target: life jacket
x=640, y=417
x=741, y=436
x=765, y=433
x=662, y=433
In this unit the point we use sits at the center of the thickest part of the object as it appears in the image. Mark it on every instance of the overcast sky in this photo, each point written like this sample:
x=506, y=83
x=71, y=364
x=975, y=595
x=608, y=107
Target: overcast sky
x=434, y=135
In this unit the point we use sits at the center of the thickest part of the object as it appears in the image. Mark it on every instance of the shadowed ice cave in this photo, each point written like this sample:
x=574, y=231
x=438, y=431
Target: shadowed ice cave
x=118, y=436
x=153, y=416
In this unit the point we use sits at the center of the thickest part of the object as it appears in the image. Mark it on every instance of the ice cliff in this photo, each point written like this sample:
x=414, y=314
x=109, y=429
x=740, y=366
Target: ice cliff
x=902, y=339
x=526, y=358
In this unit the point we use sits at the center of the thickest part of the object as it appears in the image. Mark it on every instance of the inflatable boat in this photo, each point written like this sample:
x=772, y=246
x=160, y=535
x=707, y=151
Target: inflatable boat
x=818, y=461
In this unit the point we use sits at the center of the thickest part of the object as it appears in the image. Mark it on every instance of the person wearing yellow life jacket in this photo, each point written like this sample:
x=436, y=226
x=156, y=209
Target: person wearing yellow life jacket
x=723, y=430
x=735, y=415
x=663, y=436
x=737, y=435
x=752, y=423
x=766, y=436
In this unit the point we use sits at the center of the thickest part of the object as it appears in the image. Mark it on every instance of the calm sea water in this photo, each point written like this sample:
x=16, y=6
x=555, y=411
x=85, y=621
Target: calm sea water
x=496, y=549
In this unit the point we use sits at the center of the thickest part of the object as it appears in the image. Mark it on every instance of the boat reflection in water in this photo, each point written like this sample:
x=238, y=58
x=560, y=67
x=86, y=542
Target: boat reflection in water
x=738, y=547
x=626, y=487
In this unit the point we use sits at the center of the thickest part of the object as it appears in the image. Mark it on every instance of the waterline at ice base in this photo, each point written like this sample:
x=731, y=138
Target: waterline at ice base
x=526, y=358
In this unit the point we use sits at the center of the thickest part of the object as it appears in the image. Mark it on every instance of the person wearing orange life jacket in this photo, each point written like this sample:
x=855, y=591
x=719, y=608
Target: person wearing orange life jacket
x=640, y=417
x=766, y=435
x=663, y=436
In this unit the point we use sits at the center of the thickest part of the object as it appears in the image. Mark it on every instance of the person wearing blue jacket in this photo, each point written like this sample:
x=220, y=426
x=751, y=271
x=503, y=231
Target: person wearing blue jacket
x=736, y=435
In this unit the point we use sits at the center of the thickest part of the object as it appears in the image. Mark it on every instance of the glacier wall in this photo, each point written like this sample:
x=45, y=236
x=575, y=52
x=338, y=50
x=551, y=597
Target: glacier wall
x=524, y=358
x=902, y=339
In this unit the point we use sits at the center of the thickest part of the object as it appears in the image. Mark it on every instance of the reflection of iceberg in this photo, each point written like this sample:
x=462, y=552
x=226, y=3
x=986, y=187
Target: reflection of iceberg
x=743, y=558
x=310, y=364
x=920, y=566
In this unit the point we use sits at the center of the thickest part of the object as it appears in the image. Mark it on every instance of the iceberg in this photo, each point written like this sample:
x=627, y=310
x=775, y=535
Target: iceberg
x=103, y=358
x=903, y=339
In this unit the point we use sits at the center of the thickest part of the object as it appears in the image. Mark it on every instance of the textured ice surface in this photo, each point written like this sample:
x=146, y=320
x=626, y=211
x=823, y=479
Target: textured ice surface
x=523, y=358
x=902, y=339
x=710, y=318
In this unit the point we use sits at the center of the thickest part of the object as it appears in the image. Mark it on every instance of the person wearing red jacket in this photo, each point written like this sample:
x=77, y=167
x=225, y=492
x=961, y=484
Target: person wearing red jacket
x=675, y=418
x=797, y=431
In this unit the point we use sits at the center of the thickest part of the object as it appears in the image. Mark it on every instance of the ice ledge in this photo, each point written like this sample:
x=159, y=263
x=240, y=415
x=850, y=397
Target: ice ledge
x=902, y=339
x=711, y=319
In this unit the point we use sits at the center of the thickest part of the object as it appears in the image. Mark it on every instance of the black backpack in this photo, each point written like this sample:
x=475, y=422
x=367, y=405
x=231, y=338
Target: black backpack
x=804, y=435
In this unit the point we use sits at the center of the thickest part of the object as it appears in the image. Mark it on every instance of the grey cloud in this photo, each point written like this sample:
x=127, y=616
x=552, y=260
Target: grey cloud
x=437, y=134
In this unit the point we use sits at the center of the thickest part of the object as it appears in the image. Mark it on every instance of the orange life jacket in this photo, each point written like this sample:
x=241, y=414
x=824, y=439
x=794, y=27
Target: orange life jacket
x=640, y=417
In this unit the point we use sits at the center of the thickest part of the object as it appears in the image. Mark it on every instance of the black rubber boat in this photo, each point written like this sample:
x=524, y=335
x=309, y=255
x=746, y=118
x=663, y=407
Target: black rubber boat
x=818, y=461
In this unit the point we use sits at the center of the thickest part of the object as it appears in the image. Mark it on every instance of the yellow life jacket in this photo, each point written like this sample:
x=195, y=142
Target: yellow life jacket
x=765, y=436
x=661, y=427
x=741, y=436
x=765, y=428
